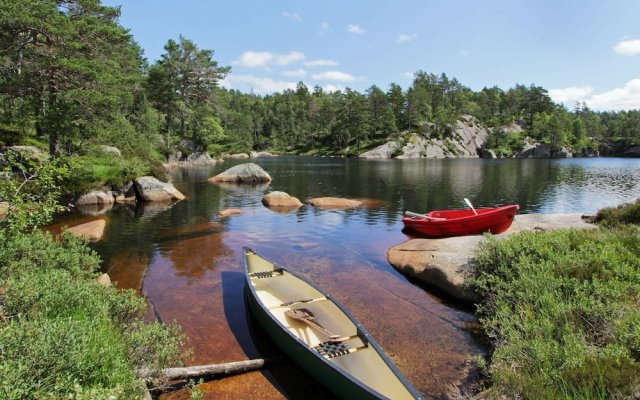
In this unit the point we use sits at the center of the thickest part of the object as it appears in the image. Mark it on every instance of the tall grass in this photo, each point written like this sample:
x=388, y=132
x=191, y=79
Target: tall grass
x=562, y=310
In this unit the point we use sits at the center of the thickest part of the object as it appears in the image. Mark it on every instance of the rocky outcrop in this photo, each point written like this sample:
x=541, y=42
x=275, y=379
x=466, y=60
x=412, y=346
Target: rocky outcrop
x=384, y=151
x=465, y=141
x=445, y=263
x=26, y=152
x=562, y=153
x=488, y=154
x=111, y=150
x=334, y=202
x=197, y=159
x=91, y=231
x=243, y=173
x=632, y=152
x=229, y=211
x=104, y=280
x=281, y=200
x=534, y=150
x=149, y=188
x=236, y=156
x=257, y=154
x=100, y=197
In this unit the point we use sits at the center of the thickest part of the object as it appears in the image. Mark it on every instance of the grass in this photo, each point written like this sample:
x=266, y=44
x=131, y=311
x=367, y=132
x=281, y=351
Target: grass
x=621, y=215
x=63, y=335
x=562, y=311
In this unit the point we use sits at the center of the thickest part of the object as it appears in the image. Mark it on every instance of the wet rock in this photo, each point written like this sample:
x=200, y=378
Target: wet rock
x=229, y=211
x=256, y=154
x=384, y=151
x=444, y=263
x=151, y=189
x=91, y=231
x=334, y=202
x=243, y=173
x=281, y=200
x=96, y=197
x=104, y=280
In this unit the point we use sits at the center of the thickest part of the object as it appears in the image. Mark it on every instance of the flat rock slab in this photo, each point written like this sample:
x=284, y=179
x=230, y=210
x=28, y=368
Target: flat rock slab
x=91, y=231
x=444, y=263
x=281, y=200
x=229, y=211
x=334, y=202
x=243, y=173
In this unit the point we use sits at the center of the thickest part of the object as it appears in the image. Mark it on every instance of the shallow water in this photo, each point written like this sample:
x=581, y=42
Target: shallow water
x=188, y=261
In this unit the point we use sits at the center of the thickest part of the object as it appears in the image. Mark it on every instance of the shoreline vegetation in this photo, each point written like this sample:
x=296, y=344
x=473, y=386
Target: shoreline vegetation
x=559, y=308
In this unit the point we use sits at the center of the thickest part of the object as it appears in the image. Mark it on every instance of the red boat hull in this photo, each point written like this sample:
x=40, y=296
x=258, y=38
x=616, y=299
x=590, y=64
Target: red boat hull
x=447, y=223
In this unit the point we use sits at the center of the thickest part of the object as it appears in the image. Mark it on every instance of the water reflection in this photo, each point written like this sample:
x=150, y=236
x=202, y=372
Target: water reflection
x=188, y=261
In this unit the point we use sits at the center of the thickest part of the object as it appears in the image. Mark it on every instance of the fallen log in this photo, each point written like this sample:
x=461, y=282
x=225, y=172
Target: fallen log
x=201, y=371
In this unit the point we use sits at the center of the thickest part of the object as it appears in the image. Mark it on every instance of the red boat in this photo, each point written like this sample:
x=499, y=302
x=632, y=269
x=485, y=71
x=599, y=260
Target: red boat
x=446, y=223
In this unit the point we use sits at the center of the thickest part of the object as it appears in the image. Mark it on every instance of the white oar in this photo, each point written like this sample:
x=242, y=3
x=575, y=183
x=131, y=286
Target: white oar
x=470, y=205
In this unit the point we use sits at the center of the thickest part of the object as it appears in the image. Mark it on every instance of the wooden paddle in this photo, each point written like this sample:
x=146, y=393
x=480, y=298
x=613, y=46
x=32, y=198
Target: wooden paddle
x=425, y=216
x=470, y=205
x=306, y=316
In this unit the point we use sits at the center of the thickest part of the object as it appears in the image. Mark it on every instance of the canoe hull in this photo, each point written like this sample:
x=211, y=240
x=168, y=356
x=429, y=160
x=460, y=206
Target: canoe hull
x=448, y=223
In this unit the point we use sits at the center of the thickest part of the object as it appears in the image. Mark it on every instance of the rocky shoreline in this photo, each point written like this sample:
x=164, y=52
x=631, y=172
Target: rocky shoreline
x=445, y=263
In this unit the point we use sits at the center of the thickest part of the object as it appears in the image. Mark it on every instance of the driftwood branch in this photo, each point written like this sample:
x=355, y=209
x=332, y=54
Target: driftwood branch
x=201, y=371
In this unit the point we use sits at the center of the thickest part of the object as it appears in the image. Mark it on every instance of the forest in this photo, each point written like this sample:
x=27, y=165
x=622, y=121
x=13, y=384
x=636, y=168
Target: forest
x=72, y=78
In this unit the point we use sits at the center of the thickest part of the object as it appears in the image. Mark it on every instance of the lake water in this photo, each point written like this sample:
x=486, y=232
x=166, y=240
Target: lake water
x=188, y=261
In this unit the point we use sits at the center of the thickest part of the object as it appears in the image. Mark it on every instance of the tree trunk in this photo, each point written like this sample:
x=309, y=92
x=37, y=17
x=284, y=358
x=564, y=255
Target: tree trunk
x=198, y=371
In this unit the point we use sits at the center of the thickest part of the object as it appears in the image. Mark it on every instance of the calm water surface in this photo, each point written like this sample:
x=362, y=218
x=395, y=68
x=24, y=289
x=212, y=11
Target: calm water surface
x=188, y=261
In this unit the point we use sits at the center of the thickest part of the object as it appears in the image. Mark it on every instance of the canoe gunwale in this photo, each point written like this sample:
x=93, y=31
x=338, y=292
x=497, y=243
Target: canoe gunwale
x=361, y=332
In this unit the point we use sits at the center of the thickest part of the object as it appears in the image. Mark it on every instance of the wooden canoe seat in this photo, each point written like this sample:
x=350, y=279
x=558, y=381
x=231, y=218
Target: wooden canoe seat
x=333, y=349
x=265, y=274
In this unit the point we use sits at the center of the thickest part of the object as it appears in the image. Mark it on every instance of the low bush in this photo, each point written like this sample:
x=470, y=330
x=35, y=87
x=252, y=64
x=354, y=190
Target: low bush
x=623, y=214
x=561, y=311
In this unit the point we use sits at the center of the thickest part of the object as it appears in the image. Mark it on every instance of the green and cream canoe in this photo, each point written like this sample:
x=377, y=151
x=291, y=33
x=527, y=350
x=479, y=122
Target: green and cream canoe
x=320, y=334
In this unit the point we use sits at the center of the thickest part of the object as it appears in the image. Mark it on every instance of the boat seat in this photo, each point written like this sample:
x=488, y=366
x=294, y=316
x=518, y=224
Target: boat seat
x=264, y=274
x=333, y=349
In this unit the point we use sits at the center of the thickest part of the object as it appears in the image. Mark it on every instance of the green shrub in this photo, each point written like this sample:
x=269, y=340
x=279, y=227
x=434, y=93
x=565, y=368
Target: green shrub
x=623, y=214
x=561, y=310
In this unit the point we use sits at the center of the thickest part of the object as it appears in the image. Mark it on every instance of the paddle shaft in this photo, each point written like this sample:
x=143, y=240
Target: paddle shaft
x=470, y=205
x=305, y=316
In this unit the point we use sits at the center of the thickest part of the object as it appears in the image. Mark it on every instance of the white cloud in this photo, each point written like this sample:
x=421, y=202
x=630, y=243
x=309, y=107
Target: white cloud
x=333, y=88
x=625, y=98
x=321, y=63
x=407, y=74
x=570, y=95
x=258, y=85
x=264, y=59
x=334, y=76
x=402, y=38
x=296, y=73
x=628, y=47
x=292, y=16
x=354, y=29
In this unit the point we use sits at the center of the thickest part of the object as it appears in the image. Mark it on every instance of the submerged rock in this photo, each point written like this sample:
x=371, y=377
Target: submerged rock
x=229, y=211
x=243, y=173
x=281, y=200
x=151, y=189
x=334, y=202
x=445, y=263
x=91, y=231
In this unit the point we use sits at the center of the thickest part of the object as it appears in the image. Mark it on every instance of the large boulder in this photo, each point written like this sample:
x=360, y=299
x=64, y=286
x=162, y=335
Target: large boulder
x=562, y=153
x=281, y=200
x=151, y=189
x=334, y=202
x=111, y=150
x=243, y=173
x=100, y=197
x=534, y=150
x=445, y=263
x=384, y=151
x=91, y=231
x=257, y=154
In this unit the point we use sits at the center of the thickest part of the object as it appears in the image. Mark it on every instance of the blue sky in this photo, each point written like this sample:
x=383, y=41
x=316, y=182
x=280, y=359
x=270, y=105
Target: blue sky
x=579, y=50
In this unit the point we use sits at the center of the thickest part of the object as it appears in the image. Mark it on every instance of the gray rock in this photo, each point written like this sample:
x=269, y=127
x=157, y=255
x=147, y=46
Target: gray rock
x=28, y=152
x=96, y=197
x=562, y=153
x=445, y=263
x=151, y=189
x=590, y=153
x=111, y=150
x=488, y=154
x=200, y=159
x=236, y=156
x=534, y=150
x=257, y=154
x=281, y=200
x=381, y=152
x=243, y=173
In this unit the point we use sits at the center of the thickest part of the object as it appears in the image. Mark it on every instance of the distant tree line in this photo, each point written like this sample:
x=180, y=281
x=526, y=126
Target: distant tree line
x=71, y=76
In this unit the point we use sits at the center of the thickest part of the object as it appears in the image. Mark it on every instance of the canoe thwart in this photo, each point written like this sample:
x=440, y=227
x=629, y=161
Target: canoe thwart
x=265, y=274
x=425, y=216
x=333, y=349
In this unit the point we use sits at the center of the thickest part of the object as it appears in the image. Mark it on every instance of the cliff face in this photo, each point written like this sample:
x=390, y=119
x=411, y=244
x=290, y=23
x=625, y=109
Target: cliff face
x=465, y=142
